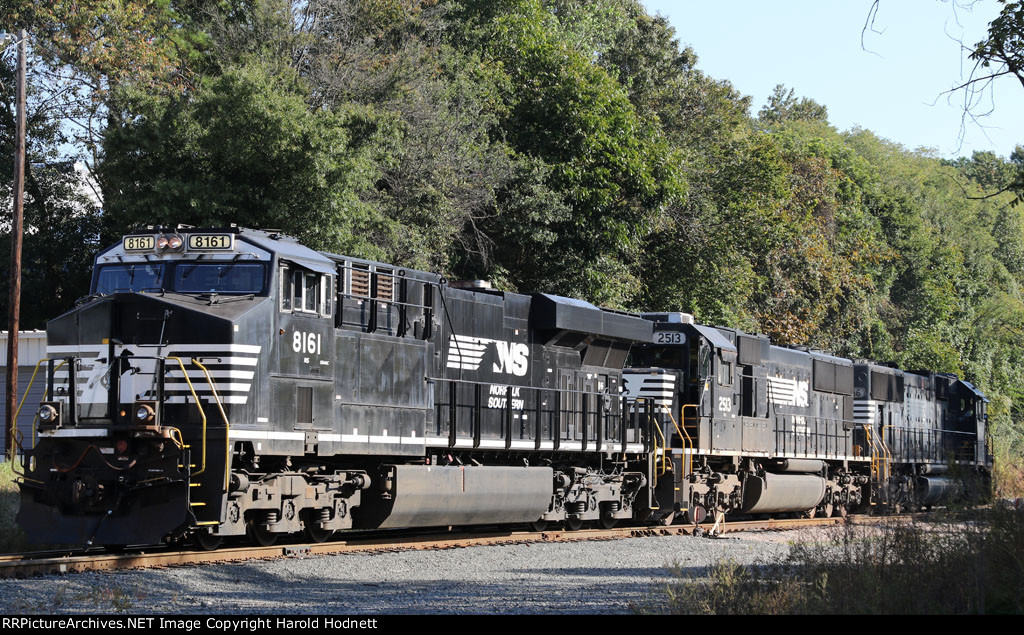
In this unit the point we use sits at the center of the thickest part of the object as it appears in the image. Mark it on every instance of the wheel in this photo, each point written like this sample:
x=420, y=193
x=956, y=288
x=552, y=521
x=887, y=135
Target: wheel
x=573, y=523
x=810, y=513
x=207, y=541
x=260, y=535
x=841, y=511
x=827, y=512
x=607, y=520
x=667, y=519
x=316, y=534
x=537, y=525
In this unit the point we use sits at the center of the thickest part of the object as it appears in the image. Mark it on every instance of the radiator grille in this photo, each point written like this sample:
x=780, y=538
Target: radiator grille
x=304, y=405
x=360, y=282
x=385, y=285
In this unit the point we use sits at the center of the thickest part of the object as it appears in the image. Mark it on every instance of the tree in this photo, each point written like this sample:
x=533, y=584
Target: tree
x=246, y=148
x=783, y=106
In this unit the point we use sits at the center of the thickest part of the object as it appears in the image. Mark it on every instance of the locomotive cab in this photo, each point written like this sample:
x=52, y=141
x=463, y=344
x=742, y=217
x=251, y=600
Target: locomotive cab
x=143, y=378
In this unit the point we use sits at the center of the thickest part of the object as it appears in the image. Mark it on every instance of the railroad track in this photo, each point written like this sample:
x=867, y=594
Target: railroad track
x=49, y=562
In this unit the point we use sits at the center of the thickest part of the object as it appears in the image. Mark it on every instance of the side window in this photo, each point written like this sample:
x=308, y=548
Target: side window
x=311, y=292
x=306, y=292
x=327, y=293
x=286, y=289
x=724, y=373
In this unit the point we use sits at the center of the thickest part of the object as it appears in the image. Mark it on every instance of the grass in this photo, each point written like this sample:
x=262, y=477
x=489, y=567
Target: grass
x=12, y=539
x=101, y=597
x=954, y=565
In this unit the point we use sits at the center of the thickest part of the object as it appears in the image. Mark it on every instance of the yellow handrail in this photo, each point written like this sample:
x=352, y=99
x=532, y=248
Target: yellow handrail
x=657, y=428
x=29, y=387
x=227, y=425
x=874, y=449
x=693, y=446
x=888, y=452
x=202, y=414
x=46, y=395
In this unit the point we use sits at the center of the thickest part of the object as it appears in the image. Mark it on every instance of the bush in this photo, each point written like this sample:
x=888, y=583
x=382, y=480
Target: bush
x=947, y=566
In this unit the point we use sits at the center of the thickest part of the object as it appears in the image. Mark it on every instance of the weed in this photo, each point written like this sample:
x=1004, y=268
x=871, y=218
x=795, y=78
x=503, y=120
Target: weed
x=12, y=539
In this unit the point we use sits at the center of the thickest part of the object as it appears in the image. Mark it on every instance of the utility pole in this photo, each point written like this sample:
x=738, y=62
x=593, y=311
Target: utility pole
x=14, y=302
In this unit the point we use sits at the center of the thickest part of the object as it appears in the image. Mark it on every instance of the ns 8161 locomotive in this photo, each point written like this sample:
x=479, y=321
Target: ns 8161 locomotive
x=229, y=381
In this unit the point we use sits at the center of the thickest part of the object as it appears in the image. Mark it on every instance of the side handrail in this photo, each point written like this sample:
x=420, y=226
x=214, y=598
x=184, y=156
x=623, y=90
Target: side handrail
x=885, y=449
x=227, y=425
x=684, y=435
x=664, y=444
x=874, y=449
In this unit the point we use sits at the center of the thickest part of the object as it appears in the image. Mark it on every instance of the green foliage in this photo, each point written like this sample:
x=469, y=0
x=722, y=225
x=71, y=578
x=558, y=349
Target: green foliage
x=783, y=106
x=247, y=149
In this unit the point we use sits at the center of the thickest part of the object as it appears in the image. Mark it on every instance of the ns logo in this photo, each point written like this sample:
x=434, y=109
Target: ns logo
x=467, y=353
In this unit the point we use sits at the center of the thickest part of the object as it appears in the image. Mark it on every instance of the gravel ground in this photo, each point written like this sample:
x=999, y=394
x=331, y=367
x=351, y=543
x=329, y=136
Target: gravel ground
x=614, y=576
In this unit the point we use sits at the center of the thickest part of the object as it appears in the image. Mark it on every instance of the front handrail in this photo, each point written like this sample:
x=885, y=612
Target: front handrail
x=202, y=414
x=227, y=425
x=46, y=395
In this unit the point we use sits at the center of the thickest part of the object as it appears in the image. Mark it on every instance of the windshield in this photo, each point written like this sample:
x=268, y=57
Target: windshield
x=128, y=278
x=228, y=277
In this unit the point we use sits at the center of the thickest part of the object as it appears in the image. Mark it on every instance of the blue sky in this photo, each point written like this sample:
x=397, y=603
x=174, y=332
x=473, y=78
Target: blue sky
x=893, y=88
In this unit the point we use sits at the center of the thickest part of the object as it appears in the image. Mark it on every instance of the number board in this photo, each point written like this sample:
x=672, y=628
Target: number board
x=138, y=243
x=211, y=242
x=669, y=337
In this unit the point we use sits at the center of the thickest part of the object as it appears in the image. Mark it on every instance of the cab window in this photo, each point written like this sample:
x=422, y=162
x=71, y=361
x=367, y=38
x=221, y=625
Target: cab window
x=127, y=278
x=225, y=277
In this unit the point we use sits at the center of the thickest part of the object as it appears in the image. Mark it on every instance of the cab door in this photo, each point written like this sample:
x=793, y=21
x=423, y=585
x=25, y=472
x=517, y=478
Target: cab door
x=302, y=382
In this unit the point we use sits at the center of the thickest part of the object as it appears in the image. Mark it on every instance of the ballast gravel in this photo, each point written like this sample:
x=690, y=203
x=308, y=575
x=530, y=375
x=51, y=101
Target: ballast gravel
x=608, y=576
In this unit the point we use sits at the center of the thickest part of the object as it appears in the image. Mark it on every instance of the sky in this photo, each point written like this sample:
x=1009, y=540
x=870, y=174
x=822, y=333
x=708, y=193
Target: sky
x=893, y=85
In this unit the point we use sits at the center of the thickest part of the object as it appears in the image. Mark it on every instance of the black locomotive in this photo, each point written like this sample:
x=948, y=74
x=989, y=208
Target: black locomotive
x=220, y=382
x=757, y=428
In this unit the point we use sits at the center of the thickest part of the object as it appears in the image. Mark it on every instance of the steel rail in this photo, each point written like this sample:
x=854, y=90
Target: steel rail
x=50, y=562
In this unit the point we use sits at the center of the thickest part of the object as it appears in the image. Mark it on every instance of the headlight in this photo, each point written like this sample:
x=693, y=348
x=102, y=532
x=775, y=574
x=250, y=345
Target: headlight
x=174, y=242
x=144, y=413
x=162, y=242
x=47, y=414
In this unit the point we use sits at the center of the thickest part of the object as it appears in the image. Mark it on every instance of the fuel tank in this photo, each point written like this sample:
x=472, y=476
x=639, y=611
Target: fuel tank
x=781, y=492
